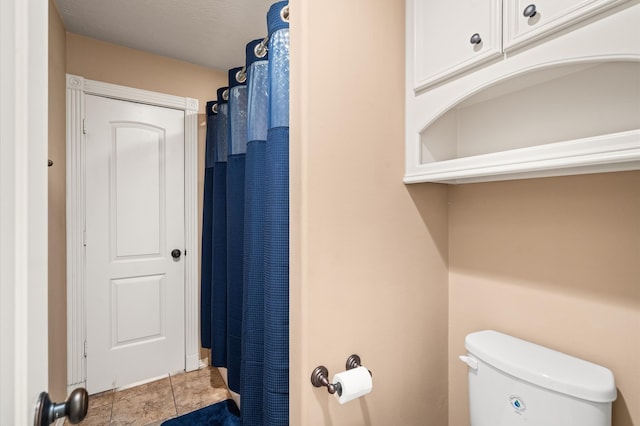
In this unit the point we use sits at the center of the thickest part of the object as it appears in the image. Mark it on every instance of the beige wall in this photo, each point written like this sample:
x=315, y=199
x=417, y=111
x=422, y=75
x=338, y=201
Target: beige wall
x=57, y=211
x=555, y=261
x=369, y=254
x=102, y=61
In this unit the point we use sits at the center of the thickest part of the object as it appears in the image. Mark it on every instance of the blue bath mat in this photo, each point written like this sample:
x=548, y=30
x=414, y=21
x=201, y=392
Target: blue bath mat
x=223, y=413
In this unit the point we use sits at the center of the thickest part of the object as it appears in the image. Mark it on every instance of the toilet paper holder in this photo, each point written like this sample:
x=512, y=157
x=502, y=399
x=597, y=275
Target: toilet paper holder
x=320, y=375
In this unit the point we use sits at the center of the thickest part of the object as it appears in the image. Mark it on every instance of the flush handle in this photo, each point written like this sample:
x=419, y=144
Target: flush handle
x=470, y=361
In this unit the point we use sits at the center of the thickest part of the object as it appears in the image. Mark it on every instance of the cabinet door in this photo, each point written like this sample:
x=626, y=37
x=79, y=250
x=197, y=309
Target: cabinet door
x=442, y=33
x=528, y=20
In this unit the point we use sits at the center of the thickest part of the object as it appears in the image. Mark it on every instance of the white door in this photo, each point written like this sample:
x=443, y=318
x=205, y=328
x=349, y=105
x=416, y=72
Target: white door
x=23, y=208
x=134, y=174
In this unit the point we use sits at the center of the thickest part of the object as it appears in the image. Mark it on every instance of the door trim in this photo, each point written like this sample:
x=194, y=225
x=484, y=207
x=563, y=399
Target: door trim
x=77, y=88
x=23, y=208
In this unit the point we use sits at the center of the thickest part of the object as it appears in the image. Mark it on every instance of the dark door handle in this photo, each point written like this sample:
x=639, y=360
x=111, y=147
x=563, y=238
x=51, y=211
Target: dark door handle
x=75, y=408
x=176, y=253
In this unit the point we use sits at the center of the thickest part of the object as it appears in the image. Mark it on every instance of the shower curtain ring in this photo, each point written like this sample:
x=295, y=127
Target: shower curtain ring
x=241, y=76
x=261, y=48
x=284, y=14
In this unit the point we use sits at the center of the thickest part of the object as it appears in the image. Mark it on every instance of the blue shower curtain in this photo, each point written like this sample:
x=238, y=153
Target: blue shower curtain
x=276, y=224
x=237, y=143
x=207, y=227
x=245, y=277
x=253, y=308
x=218, y=284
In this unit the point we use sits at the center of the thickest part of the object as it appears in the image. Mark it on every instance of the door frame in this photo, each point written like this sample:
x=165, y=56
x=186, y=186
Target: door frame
x=77, y=88
x=23, y=208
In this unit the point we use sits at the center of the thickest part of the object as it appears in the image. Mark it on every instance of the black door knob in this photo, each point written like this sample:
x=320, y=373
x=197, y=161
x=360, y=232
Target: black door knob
x=176, y=253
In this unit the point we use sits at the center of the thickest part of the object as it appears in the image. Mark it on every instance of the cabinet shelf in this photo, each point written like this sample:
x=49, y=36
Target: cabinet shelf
x=610, y=152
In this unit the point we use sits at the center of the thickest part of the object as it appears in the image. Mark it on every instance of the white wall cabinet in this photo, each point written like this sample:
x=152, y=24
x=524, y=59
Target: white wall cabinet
x=552, y=94
x=452, y=37
x=529, y=20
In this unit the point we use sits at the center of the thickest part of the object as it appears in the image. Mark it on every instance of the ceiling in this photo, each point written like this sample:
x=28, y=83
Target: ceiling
x=211, y=33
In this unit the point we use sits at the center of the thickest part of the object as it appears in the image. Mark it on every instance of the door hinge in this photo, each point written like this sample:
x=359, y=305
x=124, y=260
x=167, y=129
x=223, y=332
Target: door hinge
x=84, y=129
x=84, y=238
x=85, y=348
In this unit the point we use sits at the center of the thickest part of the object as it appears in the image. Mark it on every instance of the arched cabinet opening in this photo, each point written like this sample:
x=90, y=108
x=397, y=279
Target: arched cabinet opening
x=559, y=120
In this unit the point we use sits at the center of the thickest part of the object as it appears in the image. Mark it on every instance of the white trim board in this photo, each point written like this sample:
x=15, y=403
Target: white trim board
x=23, y=208
x=77, y=88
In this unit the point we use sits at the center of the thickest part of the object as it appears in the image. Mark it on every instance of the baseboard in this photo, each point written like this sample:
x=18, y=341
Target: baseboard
x=204, y=363
x=236, y=398
x=192, y=363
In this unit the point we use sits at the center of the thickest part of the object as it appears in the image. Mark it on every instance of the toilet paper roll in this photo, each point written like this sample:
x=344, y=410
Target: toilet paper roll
x=354, y=383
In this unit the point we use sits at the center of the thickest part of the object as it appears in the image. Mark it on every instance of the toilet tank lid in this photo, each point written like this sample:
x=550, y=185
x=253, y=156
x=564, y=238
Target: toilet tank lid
x=543, y=366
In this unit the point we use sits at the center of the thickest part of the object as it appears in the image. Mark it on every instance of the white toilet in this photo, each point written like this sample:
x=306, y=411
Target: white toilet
x=513, y=382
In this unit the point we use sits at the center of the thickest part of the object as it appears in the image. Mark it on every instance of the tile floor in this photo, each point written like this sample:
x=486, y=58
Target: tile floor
x=153, y=403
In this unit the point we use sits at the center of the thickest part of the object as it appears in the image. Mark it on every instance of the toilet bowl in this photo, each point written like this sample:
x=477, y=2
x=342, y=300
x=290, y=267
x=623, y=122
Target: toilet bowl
x=514, y=382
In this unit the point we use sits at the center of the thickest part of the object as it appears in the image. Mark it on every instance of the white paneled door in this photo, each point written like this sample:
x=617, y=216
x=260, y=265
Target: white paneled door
x=135, y=242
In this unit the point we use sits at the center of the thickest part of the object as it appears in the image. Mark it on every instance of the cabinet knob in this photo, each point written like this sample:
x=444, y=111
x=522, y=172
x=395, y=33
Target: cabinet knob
x=475, y=39
x=530, y=11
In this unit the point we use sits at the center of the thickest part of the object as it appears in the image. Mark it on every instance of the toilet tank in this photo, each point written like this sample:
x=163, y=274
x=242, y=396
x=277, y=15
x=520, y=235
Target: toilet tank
x=514, y=382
